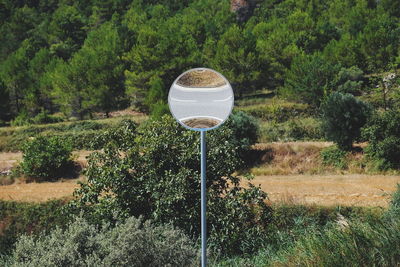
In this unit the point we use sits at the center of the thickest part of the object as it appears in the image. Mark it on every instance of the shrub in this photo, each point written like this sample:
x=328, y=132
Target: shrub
x=359, y=244
x=245, y=129
x=277, y=112
x=342, y=118
x=18, y=218
x=334, y=156
x=44, y=117
x=21, y=119
x=154, y=171
x=383, y=135
x=131, y=243
x=299, y=129
x=46, y=157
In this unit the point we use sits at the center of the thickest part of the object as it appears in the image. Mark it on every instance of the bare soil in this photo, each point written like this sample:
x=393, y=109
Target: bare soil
x=201, y=78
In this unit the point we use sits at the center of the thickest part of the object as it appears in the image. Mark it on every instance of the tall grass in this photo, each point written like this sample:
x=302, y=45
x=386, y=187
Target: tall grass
x=359, y=244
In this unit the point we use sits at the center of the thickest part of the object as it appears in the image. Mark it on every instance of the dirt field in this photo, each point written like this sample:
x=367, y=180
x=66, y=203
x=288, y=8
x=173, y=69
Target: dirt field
x=284, y=182
x=327, y=190
x=38, y=192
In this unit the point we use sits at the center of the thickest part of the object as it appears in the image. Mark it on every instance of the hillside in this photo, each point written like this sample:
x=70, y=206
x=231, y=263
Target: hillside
x=80, y=58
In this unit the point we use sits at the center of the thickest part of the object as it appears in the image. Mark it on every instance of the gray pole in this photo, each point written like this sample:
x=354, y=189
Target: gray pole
x=203, y=200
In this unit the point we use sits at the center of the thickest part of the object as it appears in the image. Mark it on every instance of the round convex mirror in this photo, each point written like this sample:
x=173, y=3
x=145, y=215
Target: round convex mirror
x=201, y=99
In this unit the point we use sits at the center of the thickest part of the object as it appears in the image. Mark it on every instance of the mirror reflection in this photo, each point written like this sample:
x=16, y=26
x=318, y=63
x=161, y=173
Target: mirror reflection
x=201, y=99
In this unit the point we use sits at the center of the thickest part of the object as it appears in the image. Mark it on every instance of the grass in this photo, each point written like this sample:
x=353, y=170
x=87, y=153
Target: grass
x=293, y=224
x=300, y=129
x=80, y=132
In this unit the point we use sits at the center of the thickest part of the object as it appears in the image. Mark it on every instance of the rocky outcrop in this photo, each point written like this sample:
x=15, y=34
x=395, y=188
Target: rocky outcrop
x=243, y=9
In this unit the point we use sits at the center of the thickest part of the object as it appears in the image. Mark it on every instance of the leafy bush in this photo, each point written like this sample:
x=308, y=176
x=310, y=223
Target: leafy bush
x=383, y=135
x=277, y=112
x=131, y=243
x=46, y=157
x=245, y=129
x=334, y=156
x=18, y=218
x=21, y=119
x=342, y=118
x=154, y=171
x=299, y=129
x=44, y=117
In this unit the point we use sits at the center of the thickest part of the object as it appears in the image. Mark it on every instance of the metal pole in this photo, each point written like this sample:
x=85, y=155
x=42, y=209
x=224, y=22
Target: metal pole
x=203, y=200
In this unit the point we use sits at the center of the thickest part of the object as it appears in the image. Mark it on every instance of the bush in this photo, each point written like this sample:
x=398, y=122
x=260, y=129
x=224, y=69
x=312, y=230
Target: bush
x=359, y=244
x=383, y=135
x=46, y=157
x=334, y=156
x=18, y=218
x=245, y=129
x=277, y=112
x=44, y=117
x=131, y=243
x=154, y=171
x=21, y=119
x=292, y=130
x=342, y=118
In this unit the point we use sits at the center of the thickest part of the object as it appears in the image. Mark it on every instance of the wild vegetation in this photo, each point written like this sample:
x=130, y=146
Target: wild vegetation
x=301, y=70
x=88, y=56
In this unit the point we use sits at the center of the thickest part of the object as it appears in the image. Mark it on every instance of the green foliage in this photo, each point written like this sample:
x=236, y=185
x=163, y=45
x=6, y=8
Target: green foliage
x=154, y=172
x=292, y=130
x=235, y=57
x=133, y=243
x=27, y=218
x=276, y=111
x=46, y=158
x=380, y=42
x=334, y=156
x=394, y=207
x=342, y=118
x=92, y=80
x=359, y=244
x=349, y=80
x=383, y=135
x=44, y=117
x=21, y=120
x=310, y=78
x=79, y=134
x=82, y=57
x=245, y=129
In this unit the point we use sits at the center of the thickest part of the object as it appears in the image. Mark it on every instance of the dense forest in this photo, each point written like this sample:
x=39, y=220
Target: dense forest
x=81, y=57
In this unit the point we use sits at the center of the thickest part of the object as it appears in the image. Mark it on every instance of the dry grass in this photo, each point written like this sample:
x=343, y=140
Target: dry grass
x=38, y=192
x=290, y=158
x=9, y=160
x=327, y=190
x=290, y=172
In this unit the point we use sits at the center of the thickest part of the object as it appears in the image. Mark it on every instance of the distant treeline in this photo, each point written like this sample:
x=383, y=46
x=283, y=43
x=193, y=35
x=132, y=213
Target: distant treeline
x=86, y=56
